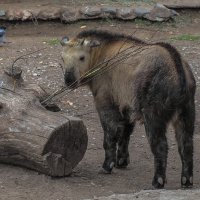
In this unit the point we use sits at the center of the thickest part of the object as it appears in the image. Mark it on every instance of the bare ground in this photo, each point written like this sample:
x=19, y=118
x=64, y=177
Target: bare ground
x=42, y=68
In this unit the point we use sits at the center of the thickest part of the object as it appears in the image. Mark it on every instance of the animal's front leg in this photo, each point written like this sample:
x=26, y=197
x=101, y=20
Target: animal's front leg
x=110, y=119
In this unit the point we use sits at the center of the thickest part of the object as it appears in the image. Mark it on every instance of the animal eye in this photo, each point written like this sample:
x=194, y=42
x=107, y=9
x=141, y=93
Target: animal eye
x=82, y=58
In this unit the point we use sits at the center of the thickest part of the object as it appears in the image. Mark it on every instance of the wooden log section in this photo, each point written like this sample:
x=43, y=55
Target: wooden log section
x=34, y=137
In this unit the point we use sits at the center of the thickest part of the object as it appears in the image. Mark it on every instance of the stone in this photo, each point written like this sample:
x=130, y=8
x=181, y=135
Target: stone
x=141, y=11
x=2, y=13
x=159, y=13
x=26, y=14
x=49, y=13
x=14, y=14
x=126, y=13
x=109, y=11
x=34, y=13
x=90, y=11
x=68, y=15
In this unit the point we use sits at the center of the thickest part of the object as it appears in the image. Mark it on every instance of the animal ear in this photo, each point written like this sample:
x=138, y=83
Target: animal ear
x=64, y=41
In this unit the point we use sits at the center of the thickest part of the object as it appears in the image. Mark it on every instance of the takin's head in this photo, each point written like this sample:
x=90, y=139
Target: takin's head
x=76, y=56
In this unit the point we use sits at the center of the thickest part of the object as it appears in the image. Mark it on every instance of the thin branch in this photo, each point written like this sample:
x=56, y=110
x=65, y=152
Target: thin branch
x=61, y=66
x=22, y=57
x=33, y=18
x=43, y=89
x=3, y=88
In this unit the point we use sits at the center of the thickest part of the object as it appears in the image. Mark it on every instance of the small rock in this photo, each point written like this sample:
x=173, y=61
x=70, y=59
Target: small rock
x=51, y=65
x=34, y=13
x=83, y=27
x=2, y=13
x=26, y=14
x=126, y=13
x=90, y=11
x=1, y=83
x=70, y=103
x=109, y=11
x=38, y=68
x=69, y=15
x=141, y=11
x=159, y=13
x=50, y=13
x=14, y=14
x=92, y=183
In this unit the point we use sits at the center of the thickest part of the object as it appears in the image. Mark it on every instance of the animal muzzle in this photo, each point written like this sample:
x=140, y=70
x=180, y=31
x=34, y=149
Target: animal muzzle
x=70, y=79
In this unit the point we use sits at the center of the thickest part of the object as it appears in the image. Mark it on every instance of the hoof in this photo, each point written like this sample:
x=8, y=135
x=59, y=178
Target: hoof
x=158, y=182
x=107, y=167
x=122, y=163
x=103, y=171
x=186, y=182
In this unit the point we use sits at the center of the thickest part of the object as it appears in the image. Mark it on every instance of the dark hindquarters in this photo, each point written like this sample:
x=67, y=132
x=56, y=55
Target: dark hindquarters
x=184, y=128
x=161, y=106
x=157, y=98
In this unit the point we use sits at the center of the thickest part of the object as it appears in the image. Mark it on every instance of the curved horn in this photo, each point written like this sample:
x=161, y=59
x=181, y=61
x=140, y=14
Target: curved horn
x=64, y=41
x=91, y=43
x=82, y=42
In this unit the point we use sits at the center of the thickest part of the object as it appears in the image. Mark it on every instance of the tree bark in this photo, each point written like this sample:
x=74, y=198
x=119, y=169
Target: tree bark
x=34, y=137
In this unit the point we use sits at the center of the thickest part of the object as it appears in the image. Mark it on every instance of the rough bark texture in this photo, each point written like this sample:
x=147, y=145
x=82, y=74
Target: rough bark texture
x=34, y=137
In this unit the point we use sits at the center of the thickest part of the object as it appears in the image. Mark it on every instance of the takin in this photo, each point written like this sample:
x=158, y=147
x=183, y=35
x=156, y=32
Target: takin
x=132, y=80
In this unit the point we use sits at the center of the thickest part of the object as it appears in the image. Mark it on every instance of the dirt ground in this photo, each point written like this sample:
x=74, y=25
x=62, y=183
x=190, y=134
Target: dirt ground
x=42, y=68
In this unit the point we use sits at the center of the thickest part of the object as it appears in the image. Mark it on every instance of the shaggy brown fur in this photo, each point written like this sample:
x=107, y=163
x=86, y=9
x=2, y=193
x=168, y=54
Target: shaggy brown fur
x=147, y=82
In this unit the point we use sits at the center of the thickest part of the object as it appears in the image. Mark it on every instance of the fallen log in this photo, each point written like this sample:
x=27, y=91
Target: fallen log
x=34, y=137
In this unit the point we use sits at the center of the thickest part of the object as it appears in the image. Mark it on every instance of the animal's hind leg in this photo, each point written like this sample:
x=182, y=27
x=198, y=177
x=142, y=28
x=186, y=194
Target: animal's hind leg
x=184, y=128
x=110, y=120
x=123, y=142
x=155, y=130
